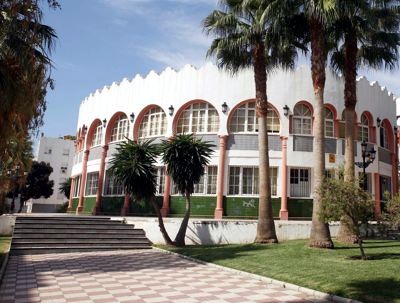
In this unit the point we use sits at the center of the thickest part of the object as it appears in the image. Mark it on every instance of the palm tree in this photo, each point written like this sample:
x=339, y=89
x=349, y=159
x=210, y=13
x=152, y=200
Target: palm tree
x=254, y=34
x=65, y=188
x=318, y=14
x=368, y=35
x=186, y=158
x=133, y=167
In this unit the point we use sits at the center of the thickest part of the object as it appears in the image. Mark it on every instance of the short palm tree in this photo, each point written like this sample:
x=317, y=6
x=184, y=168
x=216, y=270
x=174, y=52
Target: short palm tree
x=186, y=158
x=65, y=188
x=367, y=35
x=133, y=166
x=255, y=34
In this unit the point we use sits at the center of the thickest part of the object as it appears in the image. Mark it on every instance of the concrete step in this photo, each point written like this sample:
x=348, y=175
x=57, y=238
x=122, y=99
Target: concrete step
x=87, y=235
x=68, y=242
x=66, y=225
x=73, y=230
x=65, y=217
x=53, y=250
x=66, y=221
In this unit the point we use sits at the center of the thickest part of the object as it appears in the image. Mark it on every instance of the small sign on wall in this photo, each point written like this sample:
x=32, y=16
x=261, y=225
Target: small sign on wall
x=332, y=158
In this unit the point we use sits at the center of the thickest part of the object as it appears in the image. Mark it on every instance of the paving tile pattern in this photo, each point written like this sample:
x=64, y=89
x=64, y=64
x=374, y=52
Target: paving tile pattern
x=138, y=276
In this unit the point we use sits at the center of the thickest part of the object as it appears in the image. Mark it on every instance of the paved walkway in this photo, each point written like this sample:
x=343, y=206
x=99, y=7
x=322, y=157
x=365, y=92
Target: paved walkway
x=131, y=276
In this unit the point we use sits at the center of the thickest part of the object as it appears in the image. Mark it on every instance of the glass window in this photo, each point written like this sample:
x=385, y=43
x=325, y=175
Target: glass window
x=154, y=123
x=199, y=117
x=300, y=183
x=384, y=137
x=98, y=132
x=92, y=181
x=363, y=129
x=329, y=123
x=160, y=180
x=244, y=180
x=207, y=184
x=120, y=129
x=245, y=119
x=302, y=120
x=77, y=186
x=111, y=186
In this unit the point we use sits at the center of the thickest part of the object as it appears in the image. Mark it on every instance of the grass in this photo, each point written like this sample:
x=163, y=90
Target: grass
x=4, y=246
x=337, y=271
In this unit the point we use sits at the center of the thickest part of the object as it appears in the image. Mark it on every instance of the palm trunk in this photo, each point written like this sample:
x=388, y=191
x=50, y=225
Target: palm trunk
x=350, y=101
x=180, y=236
x=320, y=235
x=266, y=226
x=163, y=231
x=2, y=202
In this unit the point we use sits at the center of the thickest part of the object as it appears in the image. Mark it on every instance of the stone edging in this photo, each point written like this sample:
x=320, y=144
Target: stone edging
x=4, y=265
x=316, y=294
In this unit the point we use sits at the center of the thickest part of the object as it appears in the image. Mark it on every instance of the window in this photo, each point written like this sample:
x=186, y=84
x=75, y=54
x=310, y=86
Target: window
x=384, y=137
x=154, y=123
x=120, y=129
x=97, y=134
x=64, y=168
x=111, y=186
x=329, y=124
x=386, y=187
x=244, y=180
x=342, y=125
x=300, y=184
x=245, y=119
x=48, y=150
x=199, y=117
x=207, y=184
x=363, y=129
x=302, y=120
x=77, y=186
x=160, y=180
x=92, y=181
x=330, y=173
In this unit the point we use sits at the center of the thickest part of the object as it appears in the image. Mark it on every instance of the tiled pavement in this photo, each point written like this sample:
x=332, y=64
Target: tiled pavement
x=131, y=276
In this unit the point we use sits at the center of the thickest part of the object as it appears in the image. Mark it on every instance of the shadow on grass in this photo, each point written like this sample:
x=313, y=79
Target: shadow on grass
x=380, y=256
x=379, y=291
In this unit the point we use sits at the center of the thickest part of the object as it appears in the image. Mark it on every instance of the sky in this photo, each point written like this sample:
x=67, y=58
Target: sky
x=103, y=41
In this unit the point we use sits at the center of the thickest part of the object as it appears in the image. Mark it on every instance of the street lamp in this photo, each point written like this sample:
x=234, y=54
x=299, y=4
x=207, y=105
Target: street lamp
x=370, y=154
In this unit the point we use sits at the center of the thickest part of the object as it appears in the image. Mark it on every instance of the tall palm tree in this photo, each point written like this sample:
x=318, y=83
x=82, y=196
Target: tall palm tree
x=319, y=14
x=186, y=158
x=368, y=35
x=253, y=34
x=133, y=167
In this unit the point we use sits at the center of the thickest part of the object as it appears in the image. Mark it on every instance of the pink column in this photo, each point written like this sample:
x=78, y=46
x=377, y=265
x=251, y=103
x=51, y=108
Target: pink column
x=284, y=213
x=395, y=165
x=125, y=208
x=167, y=191
x=71, y=194
x=83, y=182
x=99, y=193
x=219, y=210
x=377, y=196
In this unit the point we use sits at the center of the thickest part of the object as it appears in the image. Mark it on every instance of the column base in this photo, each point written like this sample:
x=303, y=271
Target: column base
x=218, y=213
x=96, y=210
x=79, y=209
x=69, y=209
x=164, y=212
x=124, y=211
x=284, y=215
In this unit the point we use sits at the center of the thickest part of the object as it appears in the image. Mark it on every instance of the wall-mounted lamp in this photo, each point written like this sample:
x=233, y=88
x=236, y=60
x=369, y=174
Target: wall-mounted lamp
x=171, y=110
x=104, y=122
x=132, y=115
x=395, y=129
x=378, y=122
x=286, y=110
x=224, y=107
x=84, y=128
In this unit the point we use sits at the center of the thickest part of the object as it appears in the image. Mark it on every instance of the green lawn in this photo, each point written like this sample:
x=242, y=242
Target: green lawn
x=4, y=245
x=335, y=271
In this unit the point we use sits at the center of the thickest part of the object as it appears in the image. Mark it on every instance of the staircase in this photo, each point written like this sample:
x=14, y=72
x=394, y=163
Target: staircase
x=57, y=234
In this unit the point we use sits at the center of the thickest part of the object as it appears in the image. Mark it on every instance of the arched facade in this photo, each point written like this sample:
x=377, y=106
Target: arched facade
x=221, y=109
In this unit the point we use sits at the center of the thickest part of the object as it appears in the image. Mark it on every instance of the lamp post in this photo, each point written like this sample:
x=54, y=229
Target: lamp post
x=370, y=154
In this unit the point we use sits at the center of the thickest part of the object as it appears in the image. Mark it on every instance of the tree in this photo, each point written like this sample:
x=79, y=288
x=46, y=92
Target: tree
x=186, y=158
x=259, y=35
x=347, y=201
x=319, y=15
x=367, y=34
x=133, y=167
x=391, y=213
x=37, y=183
x=65, y=188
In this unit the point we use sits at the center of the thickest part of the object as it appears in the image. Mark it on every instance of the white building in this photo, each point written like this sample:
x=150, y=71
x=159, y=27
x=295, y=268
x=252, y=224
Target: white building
x=59, y=153
x=220, y=108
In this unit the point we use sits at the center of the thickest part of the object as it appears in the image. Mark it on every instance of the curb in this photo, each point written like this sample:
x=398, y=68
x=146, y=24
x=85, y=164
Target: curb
x=314, y=293
x=4, y=265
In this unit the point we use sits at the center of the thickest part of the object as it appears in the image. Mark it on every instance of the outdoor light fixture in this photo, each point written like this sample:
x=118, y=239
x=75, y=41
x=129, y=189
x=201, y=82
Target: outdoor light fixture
x=286, y=110
x=224, y=107
x=84, y=128
x=378, y=122
x=132, y=115
x=171, y=110
x=104, y=122
x=395, y=129
x=370, y=154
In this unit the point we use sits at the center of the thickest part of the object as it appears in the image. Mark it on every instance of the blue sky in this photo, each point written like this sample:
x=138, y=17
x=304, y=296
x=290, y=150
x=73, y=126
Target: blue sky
x=102, y=41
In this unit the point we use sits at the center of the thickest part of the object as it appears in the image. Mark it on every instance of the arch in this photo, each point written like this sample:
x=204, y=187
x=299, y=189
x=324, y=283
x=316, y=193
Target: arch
x=140, y=117
x=186, y=106
x=387, y=126
x=91, y=131
x=302, y=124
x=110, y=125
x=233, y=111
x=332, y=108
x=366, y=124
